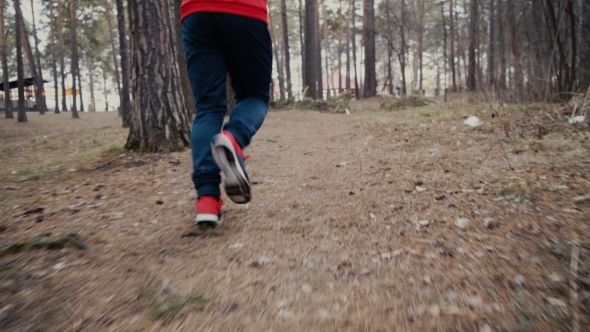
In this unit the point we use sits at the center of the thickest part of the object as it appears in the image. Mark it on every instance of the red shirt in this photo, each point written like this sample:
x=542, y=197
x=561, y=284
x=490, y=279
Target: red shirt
x=249, y=8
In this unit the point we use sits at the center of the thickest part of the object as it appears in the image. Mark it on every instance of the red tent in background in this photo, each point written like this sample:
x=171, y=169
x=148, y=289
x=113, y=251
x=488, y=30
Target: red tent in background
x=330, y=82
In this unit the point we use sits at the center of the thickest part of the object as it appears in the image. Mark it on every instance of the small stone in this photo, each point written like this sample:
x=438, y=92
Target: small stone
x=556, y=278
x=497, y=307
x=418, y=183
x=518, y=280
x=420, y=189
x=424, y=222
x=323, y=313
x=59, y=266
x=434, y=310
x=364, y=272
x=462, y=222
x=159, y=202
x=485, y=328
x=285, y=314
x=396, y=252
x=40, y=218
x=235, y=246
x=558, y=303
x=33, y=210
x=452, y=310
x=306, y=288
x=475, y=302
x=582, y=199
x=491, y=223
x=420, y=311
x=440, y=197
x=426, y=280
x=153, y=221
x=372, y=216
x=385, y=256
x=264, y=260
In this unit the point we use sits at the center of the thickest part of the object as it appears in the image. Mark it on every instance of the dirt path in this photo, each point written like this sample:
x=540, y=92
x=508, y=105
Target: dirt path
x=372, y=221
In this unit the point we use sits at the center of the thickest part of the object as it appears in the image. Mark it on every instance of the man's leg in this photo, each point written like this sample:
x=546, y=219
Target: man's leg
x=207, y=73
x=248, y=56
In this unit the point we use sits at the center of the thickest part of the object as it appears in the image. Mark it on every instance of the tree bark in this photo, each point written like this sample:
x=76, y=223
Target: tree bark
x=159, y=122
x=5, y=82
x=502, y=46
x=389, y=47
x=125, y=102
x=74, y=56
x=302, y=43
x=421, y=44
x=22, y=115
x=348, y=50
x=275, y=48
x=340, y=33
x=32, y=66
x=90, y=67
x=452, y=47
x=402, y=53
x=41, y=104
x=313, y=64
x=286, y=49
x=112, y=41
x=515, y=61
x=353, y=19
x=80, y=87
x=64, y=104
x=187, y=90
x=491, y=48
x=472, y=66
x=53, y=59
x=370, y=89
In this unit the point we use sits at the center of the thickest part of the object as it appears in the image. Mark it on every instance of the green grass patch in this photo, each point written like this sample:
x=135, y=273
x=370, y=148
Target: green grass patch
x=162, y=303
x=55, y=163
x=113, y=149
x=521, y=189
x=86, y=158
x=9, y=197
x=395, y=104
x=52, y=148
x=32, y=177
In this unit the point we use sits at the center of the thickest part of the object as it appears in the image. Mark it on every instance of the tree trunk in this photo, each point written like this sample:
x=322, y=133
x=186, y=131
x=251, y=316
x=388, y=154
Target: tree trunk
x=74, y=56
x=515, y=61
x=501, y=46
x=90, y=67
x=402, y=53
x=353, y=19
x=275, y=49
x=472, y=67
x=348, y=52
x=5, y=82
x=370, y=89
x=491, y=48
x=187, y=90
x=452, y=47
x=159, y=122
x=125, y=102
x=302, y=43
x=313, y=65
x=444, y=26
x=112, y=40
x=60, y=26
x=389, y=47
x=41, y=104
x=80, y=87
x=340, y=33
x=286, y=50
x=421, y=45
x=53, y=59
x=32, y=65
x=325, y=35
x=22, y=115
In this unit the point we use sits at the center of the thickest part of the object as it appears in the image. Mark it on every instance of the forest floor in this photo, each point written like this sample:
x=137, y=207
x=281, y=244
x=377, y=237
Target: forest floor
x=377, y=220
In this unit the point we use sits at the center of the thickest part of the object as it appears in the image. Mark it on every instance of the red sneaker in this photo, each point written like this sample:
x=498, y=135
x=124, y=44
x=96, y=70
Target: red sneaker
x=208, y=211
x=230, y=158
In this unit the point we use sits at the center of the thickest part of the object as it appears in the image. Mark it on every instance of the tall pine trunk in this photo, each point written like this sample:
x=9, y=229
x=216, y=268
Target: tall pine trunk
x=472, y=66
x=41, y=104
x=452, y=47
x=5, y=82
x=159, y=122
x=501, y=47
x=22, y=115
x=313, y=64
x=286, y=49
x=53, y=58
x=74, y=56
x=348, y=50
x=187, y=90
x=515, y=60
x=353, y=37
x=107, y=10
x=402, y=53
x=302, y=43
x=340, y=33
x=62, y=66
x=80, y=86
x=370, y=89
x=491, y=47
x=275, y=48
x=125, y=102
x=90, y=68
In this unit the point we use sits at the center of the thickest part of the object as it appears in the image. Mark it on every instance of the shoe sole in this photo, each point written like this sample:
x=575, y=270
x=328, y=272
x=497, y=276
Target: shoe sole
x=206, y=221
x=237, y=186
